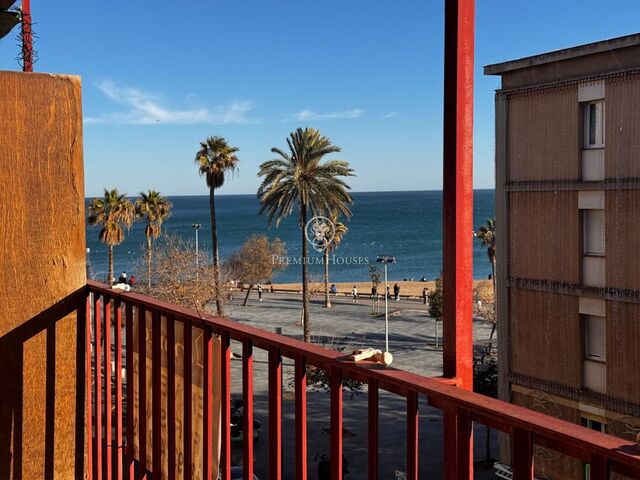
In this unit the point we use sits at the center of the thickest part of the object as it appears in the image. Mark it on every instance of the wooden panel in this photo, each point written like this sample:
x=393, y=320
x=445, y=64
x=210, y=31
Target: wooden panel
x=544, y=135
x=546, y=340
x=42, y=241
x=544, y=236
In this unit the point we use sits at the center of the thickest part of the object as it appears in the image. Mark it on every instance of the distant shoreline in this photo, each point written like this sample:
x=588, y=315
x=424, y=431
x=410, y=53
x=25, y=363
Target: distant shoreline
x=483, y=288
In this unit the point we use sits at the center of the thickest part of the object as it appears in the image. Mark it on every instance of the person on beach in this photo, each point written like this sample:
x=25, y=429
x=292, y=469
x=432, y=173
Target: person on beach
x=259, y=292
x=354, y=293
x=388, y=294
x=396, y=292
x=123, y=278
x=333, y=290
x=425, y=295
x=374, y=292
x=132, y=280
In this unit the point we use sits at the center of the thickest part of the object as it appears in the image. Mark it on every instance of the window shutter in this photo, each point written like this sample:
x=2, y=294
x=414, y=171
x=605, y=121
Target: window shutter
x=595, y=341
x=594, y=232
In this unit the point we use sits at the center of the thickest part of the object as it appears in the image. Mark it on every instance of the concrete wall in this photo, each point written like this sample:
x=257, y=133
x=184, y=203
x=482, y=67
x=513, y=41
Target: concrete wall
x=42, y=245
x=544, y=236
x=544, y=137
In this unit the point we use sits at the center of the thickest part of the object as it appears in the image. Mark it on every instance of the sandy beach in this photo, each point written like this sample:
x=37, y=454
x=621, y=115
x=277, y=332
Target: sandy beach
x=483, y=289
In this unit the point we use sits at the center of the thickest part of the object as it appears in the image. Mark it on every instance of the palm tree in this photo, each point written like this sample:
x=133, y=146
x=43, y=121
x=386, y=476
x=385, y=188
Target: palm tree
x=155, y=209
x=339, y=231
x=215, y=159
x=300, y=178
x=113, y=213
x=486, y=234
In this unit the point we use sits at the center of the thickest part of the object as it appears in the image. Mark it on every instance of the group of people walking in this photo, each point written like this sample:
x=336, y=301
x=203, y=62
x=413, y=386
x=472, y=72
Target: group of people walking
x=374, y=292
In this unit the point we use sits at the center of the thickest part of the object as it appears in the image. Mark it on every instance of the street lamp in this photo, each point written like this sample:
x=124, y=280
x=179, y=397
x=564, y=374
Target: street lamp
x=196, y=227
x=386, y=259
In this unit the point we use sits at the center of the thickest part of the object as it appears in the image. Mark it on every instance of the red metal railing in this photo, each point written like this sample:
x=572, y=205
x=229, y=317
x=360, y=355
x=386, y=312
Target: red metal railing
x=111, y=452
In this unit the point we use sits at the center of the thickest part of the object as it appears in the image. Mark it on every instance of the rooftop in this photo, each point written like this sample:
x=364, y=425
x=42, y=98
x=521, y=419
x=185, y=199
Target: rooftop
x=608, y=45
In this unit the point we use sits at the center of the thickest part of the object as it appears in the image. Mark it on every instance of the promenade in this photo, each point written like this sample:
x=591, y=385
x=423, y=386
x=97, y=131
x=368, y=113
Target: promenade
x=347, y=326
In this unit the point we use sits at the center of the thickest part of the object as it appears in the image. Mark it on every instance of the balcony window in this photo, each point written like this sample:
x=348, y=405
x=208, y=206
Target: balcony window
x=594, y=225
x=594, y=124
x=595, y=340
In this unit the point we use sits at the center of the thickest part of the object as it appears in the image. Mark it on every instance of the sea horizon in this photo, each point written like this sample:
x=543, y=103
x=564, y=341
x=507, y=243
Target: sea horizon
x=406, y=224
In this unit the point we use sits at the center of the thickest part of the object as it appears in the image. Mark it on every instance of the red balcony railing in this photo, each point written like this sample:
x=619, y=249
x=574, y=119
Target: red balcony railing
x=110, y=319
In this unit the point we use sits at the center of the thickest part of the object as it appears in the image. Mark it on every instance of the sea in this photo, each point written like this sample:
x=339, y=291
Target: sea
x=406, y=225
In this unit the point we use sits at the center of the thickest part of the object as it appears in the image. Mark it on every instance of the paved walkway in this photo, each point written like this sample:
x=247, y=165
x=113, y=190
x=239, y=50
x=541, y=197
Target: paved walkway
x=348, y=326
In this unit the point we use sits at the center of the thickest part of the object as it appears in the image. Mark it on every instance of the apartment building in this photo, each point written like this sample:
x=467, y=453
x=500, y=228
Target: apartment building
x=568, y=244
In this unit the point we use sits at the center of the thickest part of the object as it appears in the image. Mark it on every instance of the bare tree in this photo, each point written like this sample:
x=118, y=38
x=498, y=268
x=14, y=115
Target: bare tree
x=176, y=278
x=256, y=262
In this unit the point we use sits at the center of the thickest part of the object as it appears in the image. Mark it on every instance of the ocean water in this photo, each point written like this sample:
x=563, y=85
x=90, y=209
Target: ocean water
x=407, y=225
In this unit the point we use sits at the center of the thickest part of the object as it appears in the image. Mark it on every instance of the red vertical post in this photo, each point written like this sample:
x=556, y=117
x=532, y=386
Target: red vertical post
x=188, y=393
x=107, y=441
x=247, y=409
x=598, y=468
x=458, y=217
x=336, y=423
x=225, y=381
x=275, y=414
x=97, y=334
x=522, y=454
x=156, y=389
x=27, y=37
x=301, y=417
x=118, y=377
x=142, y=391
x=207, y=418
x=130, y=466
x=373, y=429
x=88, y=377
x=412, y=436
x=171, y=396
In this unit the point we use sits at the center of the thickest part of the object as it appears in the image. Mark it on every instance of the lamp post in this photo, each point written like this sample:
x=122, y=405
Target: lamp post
x=196, y=227
x=386, y=259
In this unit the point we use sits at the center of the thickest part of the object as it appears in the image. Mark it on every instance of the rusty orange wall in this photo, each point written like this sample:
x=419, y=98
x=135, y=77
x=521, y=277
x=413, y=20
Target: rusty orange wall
x=544, y=135
x=42, y=246
x=623, y=351
x=623, y=238
x=622, y=127
x=545, y=336
x=544, y=236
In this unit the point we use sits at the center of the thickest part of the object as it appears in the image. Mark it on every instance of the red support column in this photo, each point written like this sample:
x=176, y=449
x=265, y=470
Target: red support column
x=188, y=393
x=225, y=381
x=336, y=423
x=171, y=396
x=118, y=378
x=207, y=418
x=27, y=37
x=156, y=394
x=412, y=436
x=131, y=466
x=373, y=429
x=301, y=417
x=88, y=377
x=275, y=414
x=458, y=220
x=247, y=409
x=97, y=335
x=107, y=440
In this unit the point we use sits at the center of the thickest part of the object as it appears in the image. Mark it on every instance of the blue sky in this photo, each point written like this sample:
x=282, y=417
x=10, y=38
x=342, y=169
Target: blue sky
x=158, y=78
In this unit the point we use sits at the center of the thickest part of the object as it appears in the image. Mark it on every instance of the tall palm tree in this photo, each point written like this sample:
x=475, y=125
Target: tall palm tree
x=215, y=159
x=155, y=209
x=113, y=212
x=339, y=231
x=486, y=234
x=300, y=178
